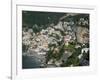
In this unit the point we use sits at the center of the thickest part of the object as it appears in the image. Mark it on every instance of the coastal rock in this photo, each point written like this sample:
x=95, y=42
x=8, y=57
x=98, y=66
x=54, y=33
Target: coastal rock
x=82, y=34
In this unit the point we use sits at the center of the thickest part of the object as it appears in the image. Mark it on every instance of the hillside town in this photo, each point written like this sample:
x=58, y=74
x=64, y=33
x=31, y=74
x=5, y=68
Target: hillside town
x=55, y=39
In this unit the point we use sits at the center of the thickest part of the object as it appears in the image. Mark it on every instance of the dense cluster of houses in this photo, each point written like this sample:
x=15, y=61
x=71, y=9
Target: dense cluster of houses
x=37, y=44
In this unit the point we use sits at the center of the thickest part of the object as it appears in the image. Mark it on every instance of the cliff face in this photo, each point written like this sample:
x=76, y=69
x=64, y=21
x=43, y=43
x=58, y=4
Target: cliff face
x=82, y=34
